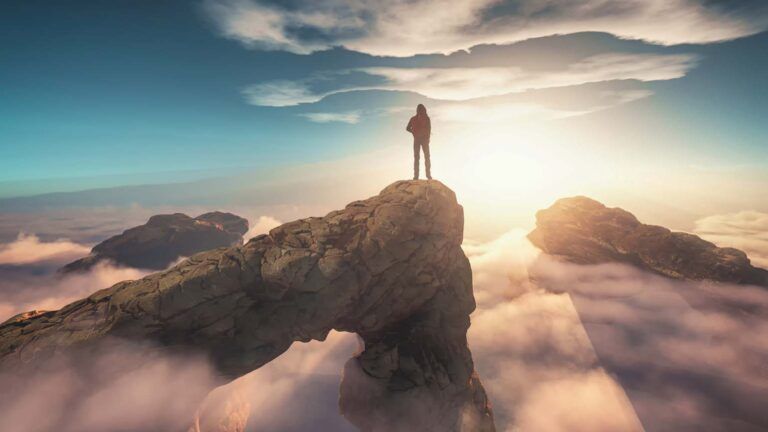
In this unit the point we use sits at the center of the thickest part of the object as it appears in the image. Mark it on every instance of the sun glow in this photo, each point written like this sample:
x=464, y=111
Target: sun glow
x=510, y=171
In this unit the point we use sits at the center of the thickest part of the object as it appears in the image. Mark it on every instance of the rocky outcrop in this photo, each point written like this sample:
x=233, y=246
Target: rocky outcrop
x=584, y=231
x=389, y=268
x=163, y=239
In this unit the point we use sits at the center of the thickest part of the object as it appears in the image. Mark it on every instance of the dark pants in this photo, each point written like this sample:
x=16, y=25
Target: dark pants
x=423, y=144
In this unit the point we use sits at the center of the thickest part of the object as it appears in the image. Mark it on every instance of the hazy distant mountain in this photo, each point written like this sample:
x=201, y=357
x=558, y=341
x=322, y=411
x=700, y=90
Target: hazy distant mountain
x=165, y=238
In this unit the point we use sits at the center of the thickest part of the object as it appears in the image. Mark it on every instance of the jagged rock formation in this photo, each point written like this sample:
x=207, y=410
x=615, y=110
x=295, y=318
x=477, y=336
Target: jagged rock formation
x=585, y=231
x=163, y=239
x=389, y=268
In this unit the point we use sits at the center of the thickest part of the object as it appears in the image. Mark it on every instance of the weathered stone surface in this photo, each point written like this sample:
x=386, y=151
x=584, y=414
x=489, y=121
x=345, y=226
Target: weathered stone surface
x=389, y=268
x=163, y=239
x=584, y=231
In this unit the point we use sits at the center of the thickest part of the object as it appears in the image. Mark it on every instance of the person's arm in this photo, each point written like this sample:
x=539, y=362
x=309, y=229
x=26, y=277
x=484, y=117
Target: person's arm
x=429, y=127
x=409, y=128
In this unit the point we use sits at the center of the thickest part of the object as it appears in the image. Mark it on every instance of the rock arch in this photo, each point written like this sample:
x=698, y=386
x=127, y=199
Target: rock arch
x=389, y=268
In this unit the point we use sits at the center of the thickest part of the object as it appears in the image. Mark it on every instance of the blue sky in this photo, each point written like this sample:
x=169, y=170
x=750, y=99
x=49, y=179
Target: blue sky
x=110, y=89
x=112, y=111
x=125, y=92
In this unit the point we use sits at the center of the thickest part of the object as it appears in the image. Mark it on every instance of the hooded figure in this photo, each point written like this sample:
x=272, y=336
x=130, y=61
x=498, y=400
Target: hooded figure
x=421, y=128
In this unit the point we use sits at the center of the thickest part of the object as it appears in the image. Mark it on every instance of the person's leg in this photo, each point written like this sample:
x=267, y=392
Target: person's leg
x=427, y=161
x=416, y=159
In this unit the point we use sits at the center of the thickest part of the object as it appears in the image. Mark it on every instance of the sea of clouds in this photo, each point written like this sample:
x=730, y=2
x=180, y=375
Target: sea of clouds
x=559, y=347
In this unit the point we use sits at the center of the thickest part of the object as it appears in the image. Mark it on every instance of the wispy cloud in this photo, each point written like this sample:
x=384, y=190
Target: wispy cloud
x=328, y=117
x=405, y=28
x=469, y=83
x=465, y=83
x=280, y=93
x=500, y=111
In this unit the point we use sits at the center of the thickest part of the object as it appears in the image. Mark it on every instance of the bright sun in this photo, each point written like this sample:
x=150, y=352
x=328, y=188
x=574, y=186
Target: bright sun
x=510, y=173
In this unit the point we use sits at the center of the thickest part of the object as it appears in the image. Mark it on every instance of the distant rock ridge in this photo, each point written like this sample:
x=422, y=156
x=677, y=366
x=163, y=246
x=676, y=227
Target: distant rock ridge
x=163, y=239
x=389, y=268
x=584, y=231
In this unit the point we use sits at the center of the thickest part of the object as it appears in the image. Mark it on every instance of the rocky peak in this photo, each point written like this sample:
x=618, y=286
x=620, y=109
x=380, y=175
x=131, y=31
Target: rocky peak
x=584, y=231
x=389, y=268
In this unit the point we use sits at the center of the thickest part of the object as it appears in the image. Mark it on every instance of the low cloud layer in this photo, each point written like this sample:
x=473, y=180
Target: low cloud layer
x=563, y=347
x=531, y=350
x=29, y=278
x=690, y=355
x=747, y=230
x=122, y=386
x=406, y=28
x=29, y=249
x=529, y=346
x=297, y=391
x=131, y=387
x=43, y=289
x=559, y=347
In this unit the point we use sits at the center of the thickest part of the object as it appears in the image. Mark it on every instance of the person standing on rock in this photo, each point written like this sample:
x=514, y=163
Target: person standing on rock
x=420, y=127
